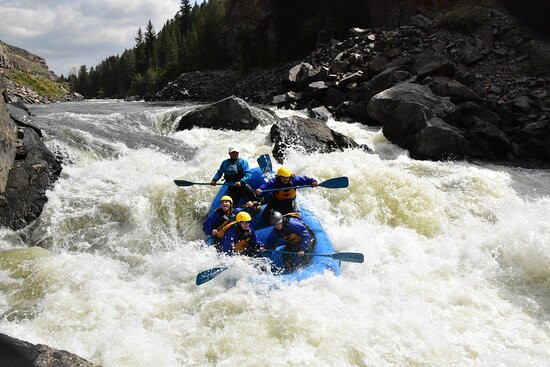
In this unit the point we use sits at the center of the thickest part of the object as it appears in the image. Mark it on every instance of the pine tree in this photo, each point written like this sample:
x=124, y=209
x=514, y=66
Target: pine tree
x=83, y=82
x=184, y=13
x=150, y=45
x=141, y=53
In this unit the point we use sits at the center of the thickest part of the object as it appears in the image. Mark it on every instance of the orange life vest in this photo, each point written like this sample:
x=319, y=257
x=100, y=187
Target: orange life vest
x=285, y=194
x=224, y=227
x=226, y=224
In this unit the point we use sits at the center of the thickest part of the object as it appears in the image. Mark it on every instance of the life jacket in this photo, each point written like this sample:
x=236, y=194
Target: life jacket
x=282, y=195
x=228, y=222
x=242, y=246
x=289, y=236
x=233, y=172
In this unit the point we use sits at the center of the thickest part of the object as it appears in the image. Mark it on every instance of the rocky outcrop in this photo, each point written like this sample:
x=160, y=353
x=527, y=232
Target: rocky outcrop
x=230, y=113
x=27, y=169
x=7, y=141
x=311, y=135
x=18, y=353
x=28, y=79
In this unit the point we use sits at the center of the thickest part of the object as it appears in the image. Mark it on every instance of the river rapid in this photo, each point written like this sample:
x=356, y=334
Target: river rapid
x=456, y=271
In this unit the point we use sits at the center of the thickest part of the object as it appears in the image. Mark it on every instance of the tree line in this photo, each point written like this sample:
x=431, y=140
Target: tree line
x=218, y=34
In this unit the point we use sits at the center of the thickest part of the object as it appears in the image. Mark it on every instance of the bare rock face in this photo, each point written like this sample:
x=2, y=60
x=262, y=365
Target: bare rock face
x=27, y=169
x=7, y=141
x=18, y=353
x=309, y=134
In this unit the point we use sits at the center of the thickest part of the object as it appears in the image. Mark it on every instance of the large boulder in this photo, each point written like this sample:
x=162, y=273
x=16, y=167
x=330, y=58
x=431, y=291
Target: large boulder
x=18, y=353
x=311, y=135
x=411, y=115
x=230, y=113
x=436, y=141
x=405, y=109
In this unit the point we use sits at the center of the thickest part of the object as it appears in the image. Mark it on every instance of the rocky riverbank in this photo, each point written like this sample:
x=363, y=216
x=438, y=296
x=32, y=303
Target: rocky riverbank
x=466, y=81
x=27, y=167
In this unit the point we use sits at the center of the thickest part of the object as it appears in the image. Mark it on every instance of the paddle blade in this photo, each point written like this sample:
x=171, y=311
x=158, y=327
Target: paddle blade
x=264, y=162
x=183, y=183
x=205, y=276
x=335, y=183
x=352, y=257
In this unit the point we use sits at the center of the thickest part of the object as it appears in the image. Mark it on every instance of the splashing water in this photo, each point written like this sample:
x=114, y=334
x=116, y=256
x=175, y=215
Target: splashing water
x=456, y=271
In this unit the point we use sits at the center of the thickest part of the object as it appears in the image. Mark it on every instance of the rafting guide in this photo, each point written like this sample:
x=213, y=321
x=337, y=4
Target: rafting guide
x=236, y=173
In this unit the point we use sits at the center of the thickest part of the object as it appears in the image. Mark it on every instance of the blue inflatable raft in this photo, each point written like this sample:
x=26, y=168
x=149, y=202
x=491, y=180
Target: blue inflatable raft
x=318, y=264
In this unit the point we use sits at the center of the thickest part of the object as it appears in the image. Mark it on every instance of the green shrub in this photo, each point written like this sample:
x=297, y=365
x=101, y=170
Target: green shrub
x=42, y=86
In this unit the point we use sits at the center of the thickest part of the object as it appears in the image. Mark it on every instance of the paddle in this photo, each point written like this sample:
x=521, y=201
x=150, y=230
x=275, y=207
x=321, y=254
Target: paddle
x=352, y=257
x=264, y=162
x=189, y=183
x=205, y=276
x=333, y=183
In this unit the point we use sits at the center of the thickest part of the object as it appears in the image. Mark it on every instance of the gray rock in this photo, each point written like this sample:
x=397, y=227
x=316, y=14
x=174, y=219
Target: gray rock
x=320, y=113
x=339, y=67
x=436, y=141
x=8, y=139
x=427, y=65
x=308, y=134
x=34, y=171
x=298, y=72
x=230, y=113
x=357, y=112
x=447, y=87
x=405, y=109
x=18, y=353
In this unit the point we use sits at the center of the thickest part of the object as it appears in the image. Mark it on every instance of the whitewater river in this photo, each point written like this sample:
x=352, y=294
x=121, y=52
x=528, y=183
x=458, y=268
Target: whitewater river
x=456, y=272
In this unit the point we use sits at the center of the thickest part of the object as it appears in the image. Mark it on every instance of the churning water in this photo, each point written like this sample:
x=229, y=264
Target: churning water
x=456, y=272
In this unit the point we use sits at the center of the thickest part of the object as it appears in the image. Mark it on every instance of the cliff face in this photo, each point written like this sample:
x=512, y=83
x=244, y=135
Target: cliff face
x=27, y=77
x=7, y=142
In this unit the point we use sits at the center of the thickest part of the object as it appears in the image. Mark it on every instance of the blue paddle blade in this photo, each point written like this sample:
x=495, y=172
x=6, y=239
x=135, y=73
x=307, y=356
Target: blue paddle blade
x=264, y=162
x=335, y=183
x=352, y=257
x=205, y=276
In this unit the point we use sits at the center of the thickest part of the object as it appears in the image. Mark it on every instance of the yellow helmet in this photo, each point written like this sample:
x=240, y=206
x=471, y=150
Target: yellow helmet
x=226, y=198
x=243, y=217
x=283, y=172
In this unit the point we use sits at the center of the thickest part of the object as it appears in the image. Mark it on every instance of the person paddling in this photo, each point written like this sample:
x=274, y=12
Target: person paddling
x=283, y=201
x=294, y=234
x=236, y=173
x=240, y=238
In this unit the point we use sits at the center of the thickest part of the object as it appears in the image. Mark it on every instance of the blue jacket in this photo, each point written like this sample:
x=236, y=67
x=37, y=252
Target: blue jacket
x=294, y=181
x=215, y=220
x=243, y=167
x=234, y=235
x=292, y=228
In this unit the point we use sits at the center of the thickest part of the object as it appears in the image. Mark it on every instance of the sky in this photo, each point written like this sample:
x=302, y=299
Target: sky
x=71, y=33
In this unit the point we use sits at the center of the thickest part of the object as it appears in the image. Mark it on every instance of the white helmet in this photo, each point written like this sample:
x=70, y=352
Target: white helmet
x=233, y=149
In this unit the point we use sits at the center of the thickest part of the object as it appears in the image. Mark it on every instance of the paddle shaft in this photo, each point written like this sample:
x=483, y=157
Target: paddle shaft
x=333, y=183
x=354, y=257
